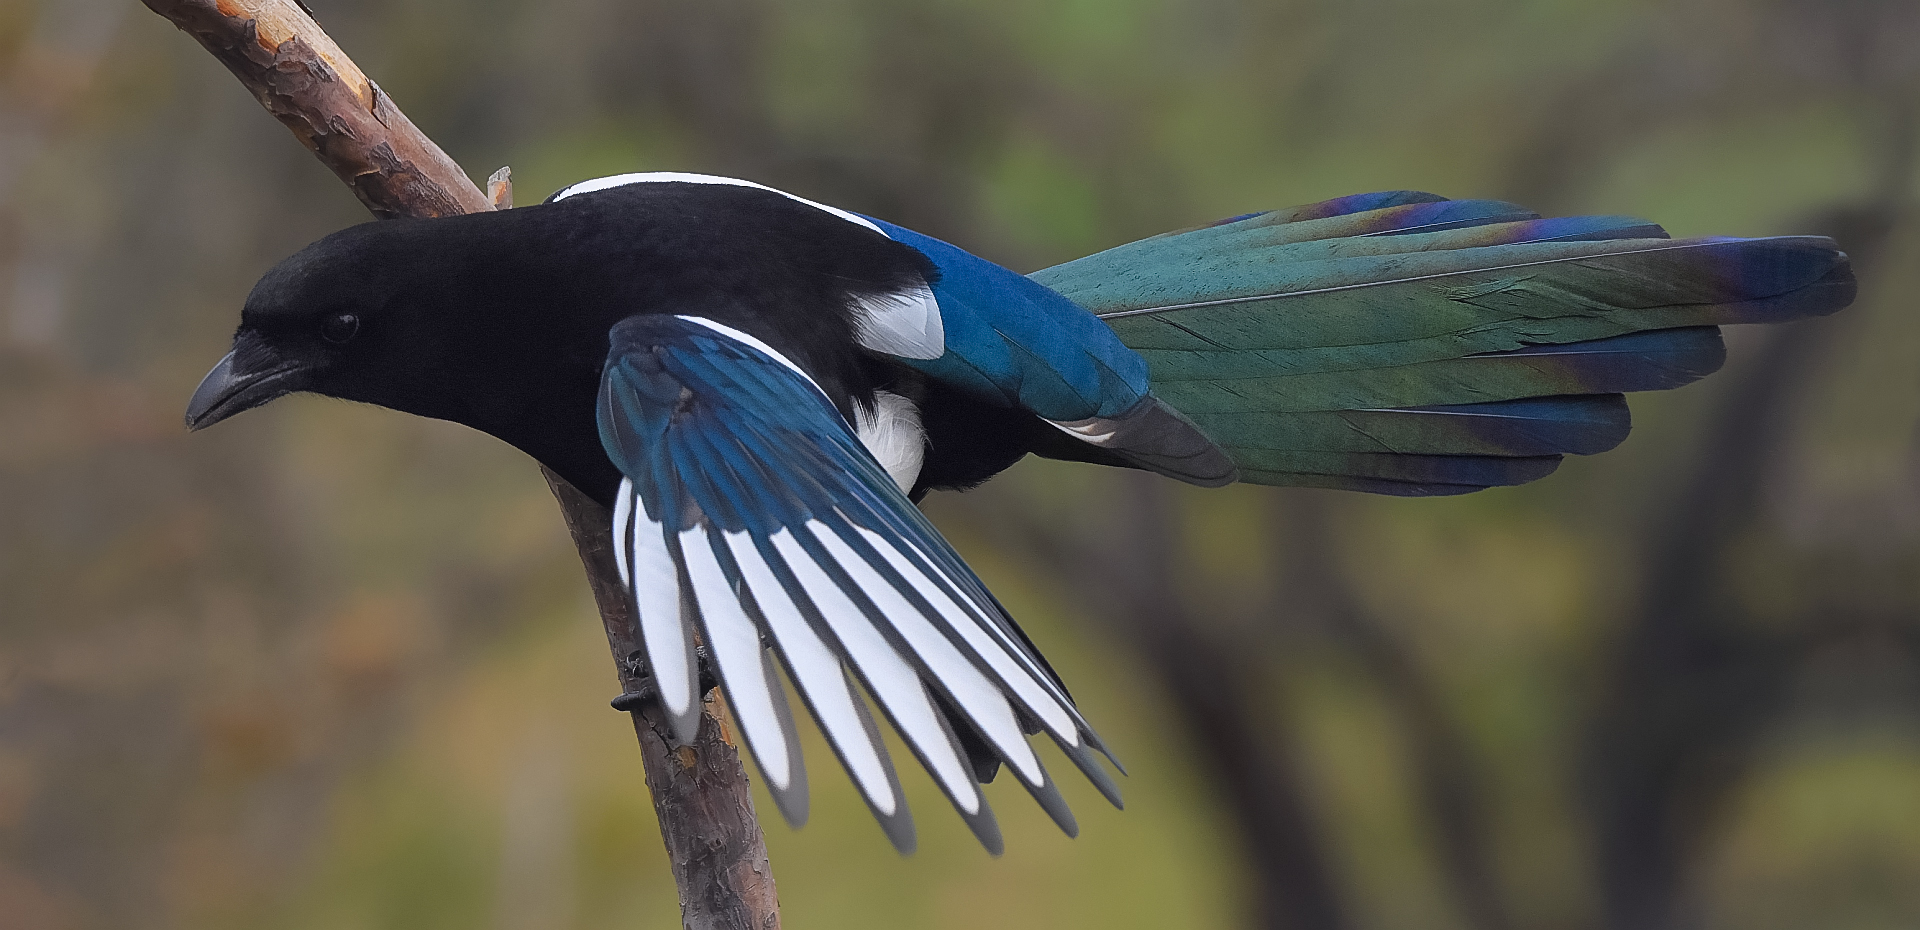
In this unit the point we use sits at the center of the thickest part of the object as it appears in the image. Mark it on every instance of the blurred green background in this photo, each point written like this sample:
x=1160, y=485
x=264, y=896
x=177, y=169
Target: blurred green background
x=330, y=667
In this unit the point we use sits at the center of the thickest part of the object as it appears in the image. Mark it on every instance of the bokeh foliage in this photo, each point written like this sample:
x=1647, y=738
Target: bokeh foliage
x=330, y=667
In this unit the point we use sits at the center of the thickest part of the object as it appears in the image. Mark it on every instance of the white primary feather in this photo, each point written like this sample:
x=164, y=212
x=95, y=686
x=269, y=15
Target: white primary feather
x=892, y=432
x=988, y=638
x=622, y=527
x=817, y=673
x=969, y=621
x=904, y=323
x=734, y=643
x=978, y=696
x=894, y=682
x=656, y=594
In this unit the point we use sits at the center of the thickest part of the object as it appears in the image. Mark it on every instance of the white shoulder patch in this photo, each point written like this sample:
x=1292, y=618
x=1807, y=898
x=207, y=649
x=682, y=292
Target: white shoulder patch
x=681, y=177
x=903, y=324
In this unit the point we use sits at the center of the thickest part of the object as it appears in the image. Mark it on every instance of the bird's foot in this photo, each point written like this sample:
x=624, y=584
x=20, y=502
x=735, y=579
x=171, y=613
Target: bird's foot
x=643, y=688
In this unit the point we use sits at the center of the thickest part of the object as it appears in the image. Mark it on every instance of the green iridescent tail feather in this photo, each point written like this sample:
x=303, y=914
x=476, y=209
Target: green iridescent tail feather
x=1405, y=344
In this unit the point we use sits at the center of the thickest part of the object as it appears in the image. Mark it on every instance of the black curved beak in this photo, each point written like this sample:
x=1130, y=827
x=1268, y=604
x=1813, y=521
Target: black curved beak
x=231, y=387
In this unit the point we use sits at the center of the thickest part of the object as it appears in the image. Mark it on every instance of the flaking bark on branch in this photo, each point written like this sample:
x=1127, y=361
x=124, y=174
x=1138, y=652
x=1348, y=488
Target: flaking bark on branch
x=297, y=72
x=700, y=790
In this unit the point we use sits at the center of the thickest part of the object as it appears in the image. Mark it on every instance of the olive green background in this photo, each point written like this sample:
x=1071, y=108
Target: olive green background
x=326, y=666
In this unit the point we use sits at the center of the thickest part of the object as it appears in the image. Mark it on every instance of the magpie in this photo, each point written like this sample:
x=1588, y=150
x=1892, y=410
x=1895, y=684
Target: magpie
x=759, y=388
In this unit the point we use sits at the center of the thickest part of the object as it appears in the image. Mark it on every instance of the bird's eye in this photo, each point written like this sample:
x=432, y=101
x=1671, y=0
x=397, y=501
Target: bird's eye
x=339, y=328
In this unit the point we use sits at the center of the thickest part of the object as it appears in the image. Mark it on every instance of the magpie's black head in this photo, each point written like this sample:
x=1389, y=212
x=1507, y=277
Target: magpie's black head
x=388, y=313
x=310, y=322
x=500, y=320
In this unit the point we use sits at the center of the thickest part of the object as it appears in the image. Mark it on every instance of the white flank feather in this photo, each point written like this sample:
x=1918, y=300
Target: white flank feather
x=892, y=432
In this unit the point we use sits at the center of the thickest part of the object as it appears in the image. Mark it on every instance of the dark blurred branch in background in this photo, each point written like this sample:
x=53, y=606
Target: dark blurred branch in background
x=57, y=63
x=274, y=682
x=1690, y=683
x=1223, y=709
x=1693, y=683
x=1690, y=686
x=700, y=790
x=1221, y=706
x=1445, y=775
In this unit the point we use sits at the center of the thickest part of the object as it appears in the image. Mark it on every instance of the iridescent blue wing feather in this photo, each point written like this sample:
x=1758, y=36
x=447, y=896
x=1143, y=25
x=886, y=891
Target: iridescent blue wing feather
x=752, y=518
x=1014, y=342
x=1010, y=336
x=1005, y=340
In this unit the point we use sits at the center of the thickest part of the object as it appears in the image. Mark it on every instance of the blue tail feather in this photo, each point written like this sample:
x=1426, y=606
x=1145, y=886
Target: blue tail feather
x=1454, y=471
x=1576, y=425
x=1401, y=343
x=1651, y=360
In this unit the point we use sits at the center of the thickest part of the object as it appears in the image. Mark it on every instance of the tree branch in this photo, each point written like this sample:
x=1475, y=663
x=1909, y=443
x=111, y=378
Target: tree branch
x=700, y=790
x=1692, y=684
